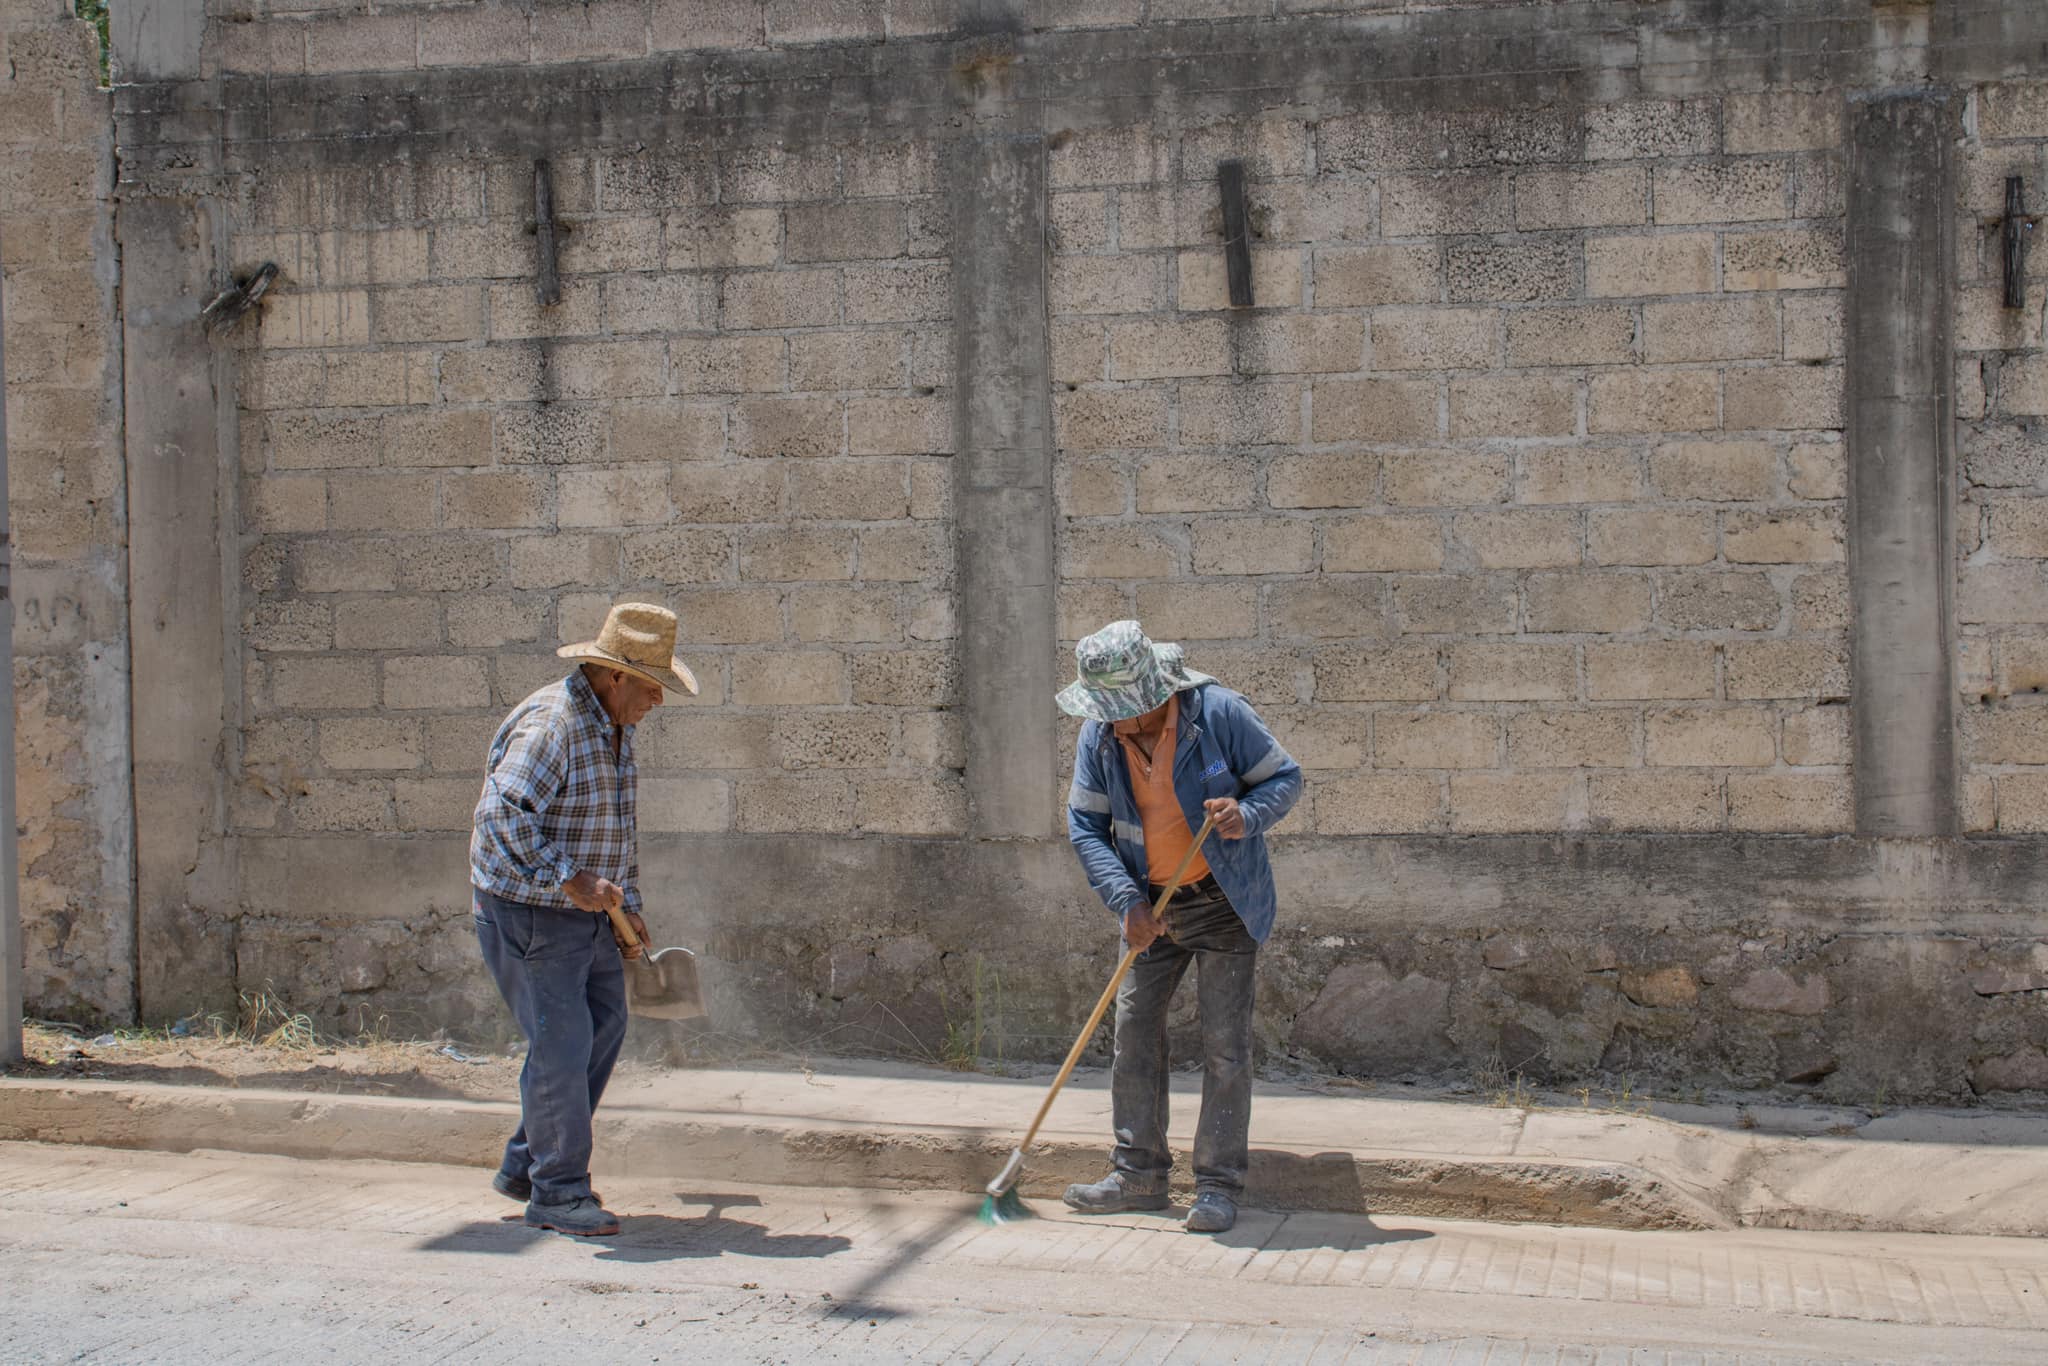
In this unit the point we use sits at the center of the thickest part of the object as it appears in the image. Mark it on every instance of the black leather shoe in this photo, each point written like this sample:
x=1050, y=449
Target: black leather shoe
x=1111, y=1196
x=1213, y=1212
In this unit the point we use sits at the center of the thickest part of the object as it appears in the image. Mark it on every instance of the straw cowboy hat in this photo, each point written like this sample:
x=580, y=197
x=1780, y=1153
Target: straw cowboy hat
x=641, y=639
x=1122, y=674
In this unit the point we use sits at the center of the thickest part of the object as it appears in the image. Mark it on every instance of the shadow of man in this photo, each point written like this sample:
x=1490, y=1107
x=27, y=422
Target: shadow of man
x=1298, y=1202
x=665, y=1237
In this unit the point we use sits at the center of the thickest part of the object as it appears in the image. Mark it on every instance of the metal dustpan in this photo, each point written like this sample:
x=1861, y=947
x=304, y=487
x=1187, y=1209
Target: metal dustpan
x=662, y=985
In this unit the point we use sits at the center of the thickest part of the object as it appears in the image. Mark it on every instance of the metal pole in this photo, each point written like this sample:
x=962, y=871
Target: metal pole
x=10, y=898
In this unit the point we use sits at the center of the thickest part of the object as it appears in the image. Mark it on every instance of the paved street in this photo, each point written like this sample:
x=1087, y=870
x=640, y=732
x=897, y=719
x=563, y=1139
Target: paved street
x=112, y=1256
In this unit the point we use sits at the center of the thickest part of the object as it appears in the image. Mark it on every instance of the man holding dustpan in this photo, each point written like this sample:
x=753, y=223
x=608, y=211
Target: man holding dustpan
x=554, y=869
x=1165, y=749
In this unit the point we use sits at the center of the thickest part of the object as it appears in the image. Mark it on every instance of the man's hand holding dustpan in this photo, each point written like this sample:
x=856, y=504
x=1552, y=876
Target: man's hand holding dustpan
x=602, y=896
x=663, y=984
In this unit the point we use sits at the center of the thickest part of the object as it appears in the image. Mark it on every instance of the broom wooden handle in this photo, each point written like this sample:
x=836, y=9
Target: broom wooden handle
x=1115, y=981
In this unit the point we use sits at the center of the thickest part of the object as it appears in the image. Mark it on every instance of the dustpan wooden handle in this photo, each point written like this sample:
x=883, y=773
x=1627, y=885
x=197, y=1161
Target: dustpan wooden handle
x=1116, y=980
x=622, y=927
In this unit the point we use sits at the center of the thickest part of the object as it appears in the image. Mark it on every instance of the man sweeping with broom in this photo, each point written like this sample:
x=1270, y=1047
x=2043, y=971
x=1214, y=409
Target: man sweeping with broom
x=1165, y=751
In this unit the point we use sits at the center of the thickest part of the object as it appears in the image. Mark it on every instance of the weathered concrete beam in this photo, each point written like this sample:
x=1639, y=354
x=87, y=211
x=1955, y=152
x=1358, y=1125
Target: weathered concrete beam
x=157, y=40
x=180, y=551
x=1003, y=485
x=1901, y=465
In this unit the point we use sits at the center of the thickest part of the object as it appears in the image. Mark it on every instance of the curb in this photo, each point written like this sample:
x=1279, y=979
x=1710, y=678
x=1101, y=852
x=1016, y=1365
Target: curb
x=774, y=1150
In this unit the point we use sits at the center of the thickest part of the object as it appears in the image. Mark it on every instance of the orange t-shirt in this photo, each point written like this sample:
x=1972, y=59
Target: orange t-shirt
x=1167, y=836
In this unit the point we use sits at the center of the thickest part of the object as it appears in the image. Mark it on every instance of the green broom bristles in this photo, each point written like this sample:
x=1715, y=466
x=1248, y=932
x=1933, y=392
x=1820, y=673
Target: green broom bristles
x=1006, y=1208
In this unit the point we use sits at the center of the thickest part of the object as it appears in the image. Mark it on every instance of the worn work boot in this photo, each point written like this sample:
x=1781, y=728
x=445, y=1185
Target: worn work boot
x=520, y=1189
x=583, y=1218
x=1111, y=1195
x=1213, y=1212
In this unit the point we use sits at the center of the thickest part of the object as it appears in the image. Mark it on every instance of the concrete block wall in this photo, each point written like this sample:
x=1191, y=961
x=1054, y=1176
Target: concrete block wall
x=739, y=408
x=68, y=517
x=2002, y=490
x=1516, y=501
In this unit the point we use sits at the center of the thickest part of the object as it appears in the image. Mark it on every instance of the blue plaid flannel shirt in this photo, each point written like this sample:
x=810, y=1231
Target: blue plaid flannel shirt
x=554, y=801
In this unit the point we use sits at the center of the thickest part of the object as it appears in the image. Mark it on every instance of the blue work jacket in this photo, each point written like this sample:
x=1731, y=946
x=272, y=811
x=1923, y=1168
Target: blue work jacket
x=1222, y=750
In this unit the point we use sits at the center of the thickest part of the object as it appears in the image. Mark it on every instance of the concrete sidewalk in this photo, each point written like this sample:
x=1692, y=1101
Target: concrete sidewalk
x=885, y=1126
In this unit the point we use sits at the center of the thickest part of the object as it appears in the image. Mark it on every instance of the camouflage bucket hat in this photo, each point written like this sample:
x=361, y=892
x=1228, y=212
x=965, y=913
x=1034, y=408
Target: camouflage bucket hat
x=1122, y=674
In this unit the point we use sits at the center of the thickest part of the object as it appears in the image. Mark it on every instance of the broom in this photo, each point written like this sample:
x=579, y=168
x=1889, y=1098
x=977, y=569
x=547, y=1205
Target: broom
x=1002, y=1203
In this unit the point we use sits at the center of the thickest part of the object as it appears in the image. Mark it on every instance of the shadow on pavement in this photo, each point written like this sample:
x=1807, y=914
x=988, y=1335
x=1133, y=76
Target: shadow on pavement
x=664, y=1237
x=1263, y=1232
x=505, y=1237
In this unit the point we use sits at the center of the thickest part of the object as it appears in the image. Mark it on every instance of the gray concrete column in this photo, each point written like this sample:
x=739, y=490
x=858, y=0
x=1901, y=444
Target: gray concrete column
x=179, y=554
x=1901, y=452
x=1003, y=485
x=11, y=944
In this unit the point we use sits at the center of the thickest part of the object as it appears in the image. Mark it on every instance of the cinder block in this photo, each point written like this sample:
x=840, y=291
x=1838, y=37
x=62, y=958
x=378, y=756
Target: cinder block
x=1649, y=536
x=1377, y=673
x=1513, y=405
x=1379, y=804
x=1091, y=488
x=1593, y=335
x=1189, y=611
x=279, y=379
x=1603, y=198
x=436, y=438
x=1323, y=481
x=1382, y=543
x=1653, y=401
x=1080, y=352
x=1781, y=121
x=905, y=678
x=834, y=739
x=1579, y=475
x=678, y=555
x=1436, y=739
x=1380, y=140
x=1499, y=803
x=1368, y=277
x=1513, y=673
x=1798, y=258
x=1722, y=600
x=788, y=427
x=851, y=614
x=667, y=431
x=516, y=315
x=1454, y=605
x=343, y=804
x=1719, y=471
x=1299, y=344
x=1790, y=803
x=1511, y=270
x=860, y=490
x=1709, y=737
x=635, y=495
x=1323, y=738
x=720, y=493
x=869, y=359
x=316, y=318
x=1720, y=191
x=284, y=503
x=778, y=805
x=1374, y=410
x=1444, y=478
x=900, y=426
x=1196, y=483
x=1666, y=263
x=1118, y=552
x=550, y=434
x=1111, y=419
x=871, y=231
x=1814, y=331
x=379, y=379
x=427, y=313
x=910, y=554
x=1820, y=601
x=1085, y=608
x=1608, y=603
x=564, y=560
x=1168, y=350
x=485, y=36
x=371, y=742
x=684, y=805
x=1108, y=284
x=2012, y=109
x=1204, y=285
x=886, y=169
x=1254, y=545
x=322, y=685
x=492, y=374
x=345, y=566
x=425, y=804
x=1328, y=609
x=1604, y=738
x=911, y=806
x=436, y=682
x=2006, y=735
x=383, y=623
x=493, y=622
x=1788, y=668
x=494, y=498
x=1445, y=202
x=729, y=616
x=673, y=738
x=381, y=502
x=705, y=238
x=2019, y=528
x=1674, y=800
x=1434, y=338
x=728, y=365
x=1785, y=537
x=1657, y=670
x=290, y=625
x=779, y=298
x=1240, y=414
x=1526, y=539
x=305, y=441
x=1130, y=155
x=898, y=294
x=2022, y=802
